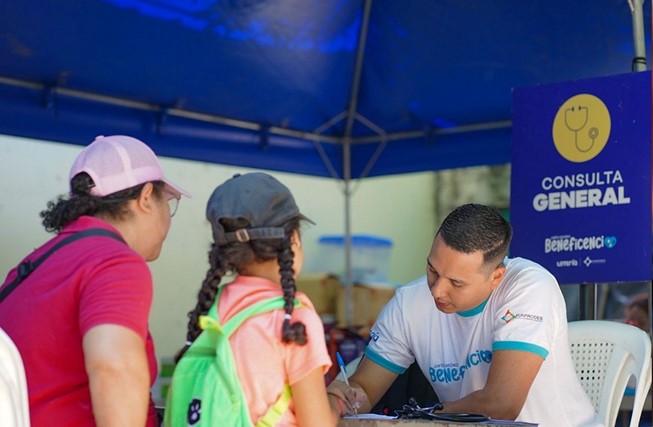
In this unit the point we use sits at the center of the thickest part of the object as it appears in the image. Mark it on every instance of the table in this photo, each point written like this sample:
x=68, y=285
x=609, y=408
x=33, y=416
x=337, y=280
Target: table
x=352, y=422
x=402, y=423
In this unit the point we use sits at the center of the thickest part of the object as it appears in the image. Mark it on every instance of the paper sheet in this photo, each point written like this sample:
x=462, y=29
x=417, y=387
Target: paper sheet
x=370, y=417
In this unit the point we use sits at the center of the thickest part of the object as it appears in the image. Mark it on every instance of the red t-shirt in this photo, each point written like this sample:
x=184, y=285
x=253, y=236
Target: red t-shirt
x=93, y=281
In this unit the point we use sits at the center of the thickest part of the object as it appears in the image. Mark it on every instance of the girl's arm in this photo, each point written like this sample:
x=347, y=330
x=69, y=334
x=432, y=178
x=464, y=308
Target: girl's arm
x=311, y=403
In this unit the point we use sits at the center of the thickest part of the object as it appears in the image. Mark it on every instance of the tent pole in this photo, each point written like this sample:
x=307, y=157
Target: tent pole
x=420, y=134
x=349, y=285
x=637, y=12
x=170, y=111
x=588, y=301
x=346, y=155
x=315, y=136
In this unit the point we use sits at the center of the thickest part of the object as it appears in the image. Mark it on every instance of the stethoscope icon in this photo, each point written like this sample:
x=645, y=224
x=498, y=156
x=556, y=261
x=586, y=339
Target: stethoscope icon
x=576, y=119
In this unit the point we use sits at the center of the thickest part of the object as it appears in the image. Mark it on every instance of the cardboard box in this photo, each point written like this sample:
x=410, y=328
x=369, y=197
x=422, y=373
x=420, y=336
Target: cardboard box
x=367, y=304
x=321, y=289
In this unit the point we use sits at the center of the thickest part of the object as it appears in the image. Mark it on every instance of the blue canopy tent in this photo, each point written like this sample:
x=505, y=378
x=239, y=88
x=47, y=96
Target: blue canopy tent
x=340, y=88
x=287, y=84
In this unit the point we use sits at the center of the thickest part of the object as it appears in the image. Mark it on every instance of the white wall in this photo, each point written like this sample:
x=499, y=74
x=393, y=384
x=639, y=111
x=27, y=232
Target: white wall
x=35, y=172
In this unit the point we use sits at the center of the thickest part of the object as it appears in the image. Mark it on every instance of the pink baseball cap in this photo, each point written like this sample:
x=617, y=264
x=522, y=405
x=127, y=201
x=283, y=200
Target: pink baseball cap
x=119, y=162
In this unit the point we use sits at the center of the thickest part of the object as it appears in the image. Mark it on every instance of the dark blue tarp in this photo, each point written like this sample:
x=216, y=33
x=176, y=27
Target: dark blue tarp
x=270, y=83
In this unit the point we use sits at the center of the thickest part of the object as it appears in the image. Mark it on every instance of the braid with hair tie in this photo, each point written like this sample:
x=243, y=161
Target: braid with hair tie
x=230, y=258
x=205, y=297
x=295, y=332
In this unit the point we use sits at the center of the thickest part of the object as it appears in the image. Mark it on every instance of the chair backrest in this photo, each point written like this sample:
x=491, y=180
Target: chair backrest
x=14, y=405
x=606, y=354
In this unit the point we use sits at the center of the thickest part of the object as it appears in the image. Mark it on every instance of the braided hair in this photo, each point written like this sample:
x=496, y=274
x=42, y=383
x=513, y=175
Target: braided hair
x=63, y=211
x=230, y=258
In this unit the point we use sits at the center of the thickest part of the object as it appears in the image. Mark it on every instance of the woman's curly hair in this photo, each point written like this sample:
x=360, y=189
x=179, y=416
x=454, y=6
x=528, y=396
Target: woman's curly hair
x=62, y=211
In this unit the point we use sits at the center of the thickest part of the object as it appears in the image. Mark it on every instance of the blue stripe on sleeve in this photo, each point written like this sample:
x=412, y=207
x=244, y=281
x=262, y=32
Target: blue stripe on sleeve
x=521, y=346
x=376, y=358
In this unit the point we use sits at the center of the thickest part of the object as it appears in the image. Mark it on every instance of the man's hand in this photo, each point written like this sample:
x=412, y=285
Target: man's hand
x=368, y=384
x=344, y=399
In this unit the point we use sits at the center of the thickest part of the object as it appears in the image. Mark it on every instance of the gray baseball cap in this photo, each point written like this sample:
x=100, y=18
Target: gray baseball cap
x=256, y=197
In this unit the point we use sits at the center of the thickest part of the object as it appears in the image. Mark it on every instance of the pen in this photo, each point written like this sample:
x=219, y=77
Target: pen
x=344, y=374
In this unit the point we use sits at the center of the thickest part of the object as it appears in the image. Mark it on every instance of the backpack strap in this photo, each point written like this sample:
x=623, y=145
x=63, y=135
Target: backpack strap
x=274, y=412
x=26, y=267
x=276, y=303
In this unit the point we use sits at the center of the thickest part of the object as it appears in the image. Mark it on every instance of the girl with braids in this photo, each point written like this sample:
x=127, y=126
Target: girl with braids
x=255, y=224
x=80, y=317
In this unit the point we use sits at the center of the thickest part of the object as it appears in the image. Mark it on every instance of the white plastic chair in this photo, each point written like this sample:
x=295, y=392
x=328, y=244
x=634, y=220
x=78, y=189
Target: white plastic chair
x=606, y=354
x=14, y=404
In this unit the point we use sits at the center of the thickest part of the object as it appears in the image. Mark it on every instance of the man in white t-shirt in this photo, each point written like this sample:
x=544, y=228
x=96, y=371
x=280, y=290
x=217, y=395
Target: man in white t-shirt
x=488, y=332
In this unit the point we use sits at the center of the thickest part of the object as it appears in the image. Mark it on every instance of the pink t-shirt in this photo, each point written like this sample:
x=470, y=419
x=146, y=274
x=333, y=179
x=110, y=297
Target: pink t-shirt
x=93, y=281
x=265, y=363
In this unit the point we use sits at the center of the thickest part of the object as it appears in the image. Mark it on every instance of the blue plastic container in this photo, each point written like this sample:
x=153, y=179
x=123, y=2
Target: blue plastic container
x=370, y=257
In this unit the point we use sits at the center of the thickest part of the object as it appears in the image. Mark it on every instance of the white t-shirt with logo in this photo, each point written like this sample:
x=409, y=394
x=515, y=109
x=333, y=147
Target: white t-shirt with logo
x=526, y=312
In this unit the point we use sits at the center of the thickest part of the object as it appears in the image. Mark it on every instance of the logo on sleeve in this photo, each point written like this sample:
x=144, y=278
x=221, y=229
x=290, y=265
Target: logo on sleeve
x=509, y=317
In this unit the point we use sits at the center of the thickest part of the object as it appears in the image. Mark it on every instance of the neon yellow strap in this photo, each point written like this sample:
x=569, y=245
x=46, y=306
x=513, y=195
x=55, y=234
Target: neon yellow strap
x=207, y=322
x=273, y=415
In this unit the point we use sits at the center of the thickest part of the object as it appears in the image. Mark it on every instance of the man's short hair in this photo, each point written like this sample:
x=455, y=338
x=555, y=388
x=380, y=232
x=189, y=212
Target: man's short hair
x=471, y=228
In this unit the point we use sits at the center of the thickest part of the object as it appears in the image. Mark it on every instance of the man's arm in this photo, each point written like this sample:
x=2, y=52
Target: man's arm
x=370, y=382
x=511, y=375
x=119, y=377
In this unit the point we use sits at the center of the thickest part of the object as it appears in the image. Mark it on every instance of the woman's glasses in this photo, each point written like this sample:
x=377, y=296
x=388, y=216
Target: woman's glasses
x=173, y=202
x=132, y=193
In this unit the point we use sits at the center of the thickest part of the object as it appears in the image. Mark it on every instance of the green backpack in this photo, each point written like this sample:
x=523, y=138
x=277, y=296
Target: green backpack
x=205, y=389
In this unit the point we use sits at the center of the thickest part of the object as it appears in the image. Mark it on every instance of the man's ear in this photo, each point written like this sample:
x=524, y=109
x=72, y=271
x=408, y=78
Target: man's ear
x=497, y=276
x=145, y=200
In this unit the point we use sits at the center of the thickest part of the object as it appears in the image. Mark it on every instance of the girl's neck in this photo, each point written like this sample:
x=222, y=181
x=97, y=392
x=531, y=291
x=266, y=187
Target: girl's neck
x=265, y=269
